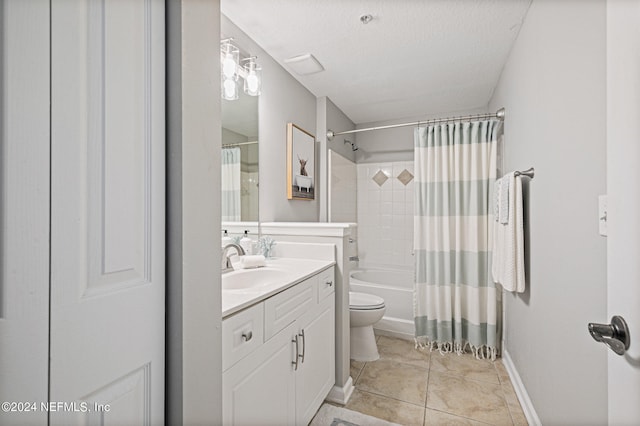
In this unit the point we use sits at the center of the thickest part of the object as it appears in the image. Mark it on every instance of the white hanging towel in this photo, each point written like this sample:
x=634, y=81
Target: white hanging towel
x=508, y=240
x=496, y=199
x=505, y=206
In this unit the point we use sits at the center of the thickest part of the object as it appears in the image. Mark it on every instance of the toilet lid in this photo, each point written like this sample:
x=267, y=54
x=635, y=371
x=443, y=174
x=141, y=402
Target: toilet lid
x=364, y=301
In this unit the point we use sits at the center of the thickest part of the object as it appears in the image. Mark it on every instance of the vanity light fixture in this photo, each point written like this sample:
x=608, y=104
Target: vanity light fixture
x=253, y=79
x=231, y=71
x=229, y=56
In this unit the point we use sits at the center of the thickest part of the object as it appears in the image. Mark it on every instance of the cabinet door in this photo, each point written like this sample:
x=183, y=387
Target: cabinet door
x=260, y=389
x=316, y=375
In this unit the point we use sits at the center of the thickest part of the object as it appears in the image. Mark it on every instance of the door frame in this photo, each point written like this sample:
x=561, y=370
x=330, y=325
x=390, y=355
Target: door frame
x=24, y=207
x=623, y=203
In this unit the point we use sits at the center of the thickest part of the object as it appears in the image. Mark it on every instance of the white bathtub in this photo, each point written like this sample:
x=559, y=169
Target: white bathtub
x=396, y=288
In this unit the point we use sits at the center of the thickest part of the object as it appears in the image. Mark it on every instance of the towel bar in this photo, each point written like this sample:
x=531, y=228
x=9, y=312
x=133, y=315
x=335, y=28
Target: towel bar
x=530, y=172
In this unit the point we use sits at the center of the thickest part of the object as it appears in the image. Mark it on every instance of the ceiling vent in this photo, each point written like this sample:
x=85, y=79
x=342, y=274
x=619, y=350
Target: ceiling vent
x=304, y=64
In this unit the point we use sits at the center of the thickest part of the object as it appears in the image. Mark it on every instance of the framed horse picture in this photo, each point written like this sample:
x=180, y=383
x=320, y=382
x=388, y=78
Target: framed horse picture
x=301, y=163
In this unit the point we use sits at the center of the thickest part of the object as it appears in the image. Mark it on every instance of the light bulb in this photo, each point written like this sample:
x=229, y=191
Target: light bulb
x=252, y=79
x=229, y=89
x=252, y=82
x=228, y=66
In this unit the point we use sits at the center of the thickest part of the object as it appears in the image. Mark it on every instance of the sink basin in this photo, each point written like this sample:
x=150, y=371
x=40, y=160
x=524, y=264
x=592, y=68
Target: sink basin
x=252, y=279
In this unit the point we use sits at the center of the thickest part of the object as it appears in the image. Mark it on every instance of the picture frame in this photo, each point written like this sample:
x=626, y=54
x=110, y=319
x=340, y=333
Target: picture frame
x=301, y=162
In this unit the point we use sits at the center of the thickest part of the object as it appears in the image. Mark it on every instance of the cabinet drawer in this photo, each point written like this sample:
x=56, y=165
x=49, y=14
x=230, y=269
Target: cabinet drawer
x=283, y=308
x=326, y=283
x=242, y=333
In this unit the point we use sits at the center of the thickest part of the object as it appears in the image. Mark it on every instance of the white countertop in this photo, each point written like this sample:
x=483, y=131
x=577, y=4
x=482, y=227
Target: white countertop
x=297, y=270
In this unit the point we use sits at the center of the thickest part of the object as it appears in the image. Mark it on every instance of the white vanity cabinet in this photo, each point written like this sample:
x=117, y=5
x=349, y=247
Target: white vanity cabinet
x=316, y=371
x=285, y=370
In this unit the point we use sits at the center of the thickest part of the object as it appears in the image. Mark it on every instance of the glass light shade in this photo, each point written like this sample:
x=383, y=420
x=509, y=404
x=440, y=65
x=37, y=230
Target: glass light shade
x=229, y=89
x=253, y=79
x=230, y=58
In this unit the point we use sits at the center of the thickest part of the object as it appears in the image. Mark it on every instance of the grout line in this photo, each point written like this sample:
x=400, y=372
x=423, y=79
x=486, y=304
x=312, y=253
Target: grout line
x=426, y=394
x=453, y=374
x=459, y=416
x=502, y=386
x=359, y=373
x=429, y=371
x=390, y=397
x=504, y=398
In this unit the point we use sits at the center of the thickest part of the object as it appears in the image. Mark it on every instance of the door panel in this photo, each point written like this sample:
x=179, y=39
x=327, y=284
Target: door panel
x=107, y=214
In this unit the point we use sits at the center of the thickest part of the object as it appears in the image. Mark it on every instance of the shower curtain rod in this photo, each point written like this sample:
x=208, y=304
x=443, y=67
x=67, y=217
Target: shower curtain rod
x=498, y=114
x=239, y=143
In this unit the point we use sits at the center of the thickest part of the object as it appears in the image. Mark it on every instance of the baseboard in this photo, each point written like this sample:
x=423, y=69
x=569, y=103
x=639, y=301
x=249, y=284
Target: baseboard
x=521, y=391
x=396, y=334
x=395, y=327
x=341, y=395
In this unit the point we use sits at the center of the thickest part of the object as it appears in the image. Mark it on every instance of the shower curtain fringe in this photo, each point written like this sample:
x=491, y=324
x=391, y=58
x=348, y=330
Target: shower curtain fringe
x=479, y=352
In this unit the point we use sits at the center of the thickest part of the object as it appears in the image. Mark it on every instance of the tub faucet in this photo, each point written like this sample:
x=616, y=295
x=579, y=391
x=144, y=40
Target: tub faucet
x=225, y=261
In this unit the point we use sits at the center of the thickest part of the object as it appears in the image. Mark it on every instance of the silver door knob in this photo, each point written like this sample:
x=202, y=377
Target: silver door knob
x=614, y=335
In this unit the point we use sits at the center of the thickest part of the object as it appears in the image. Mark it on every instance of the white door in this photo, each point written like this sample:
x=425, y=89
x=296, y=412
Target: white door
x=623, y=190
x=107, y=212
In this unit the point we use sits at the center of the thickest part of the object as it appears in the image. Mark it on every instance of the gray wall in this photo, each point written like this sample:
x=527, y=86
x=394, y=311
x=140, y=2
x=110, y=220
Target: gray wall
x=553, y=89
x=193, y=341
x=229, y=136
x=394, y=144
x=338, y=121
x=283, y=100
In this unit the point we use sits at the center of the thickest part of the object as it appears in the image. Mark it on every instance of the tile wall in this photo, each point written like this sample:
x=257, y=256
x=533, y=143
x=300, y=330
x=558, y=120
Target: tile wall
x=385, y=214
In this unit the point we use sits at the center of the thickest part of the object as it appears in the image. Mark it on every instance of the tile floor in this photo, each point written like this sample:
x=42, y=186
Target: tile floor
x=414, y=387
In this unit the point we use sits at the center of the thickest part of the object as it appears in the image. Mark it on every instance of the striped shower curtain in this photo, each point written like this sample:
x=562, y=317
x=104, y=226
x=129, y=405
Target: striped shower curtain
x=231, y=184
x=455, y=304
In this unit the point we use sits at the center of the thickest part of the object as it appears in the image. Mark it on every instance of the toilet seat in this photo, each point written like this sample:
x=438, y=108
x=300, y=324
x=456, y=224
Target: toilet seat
x=364, y=302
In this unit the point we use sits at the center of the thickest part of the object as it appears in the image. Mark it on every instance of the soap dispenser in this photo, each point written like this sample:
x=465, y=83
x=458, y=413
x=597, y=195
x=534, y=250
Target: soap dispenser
x=246, y=243
x=226, y=239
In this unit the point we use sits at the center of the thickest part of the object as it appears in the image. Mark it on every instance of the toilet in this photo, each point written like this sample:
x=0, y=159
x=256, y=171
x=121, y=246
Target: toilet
x=364, y=311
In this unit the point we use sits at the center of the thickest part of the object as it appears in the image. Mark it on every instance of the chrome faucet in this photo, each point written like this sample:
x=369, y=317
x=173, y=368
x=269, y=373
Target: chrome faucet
x=225, y=262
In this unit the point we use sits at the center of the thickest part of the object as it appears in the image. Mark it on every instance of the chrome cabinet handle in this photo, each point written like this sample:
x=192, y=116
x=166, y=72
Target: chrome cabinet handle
x=295, y=363
x=614, y=335
x=304, y=345
x=247, y=336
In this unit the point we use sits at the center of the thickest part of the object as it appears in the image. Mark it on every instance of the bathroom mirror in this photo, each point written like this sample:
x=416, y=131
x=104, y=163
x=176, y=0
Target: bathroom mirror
x=239, y=169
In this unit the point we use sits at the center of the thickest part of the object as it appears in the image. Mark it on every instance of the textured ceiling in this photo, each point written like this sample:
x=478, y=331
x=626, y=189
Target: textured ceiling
x=415, y=57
